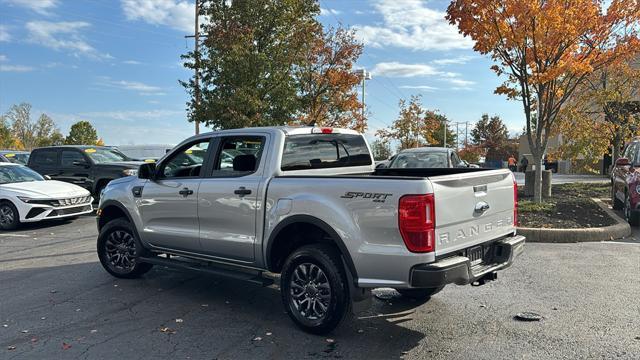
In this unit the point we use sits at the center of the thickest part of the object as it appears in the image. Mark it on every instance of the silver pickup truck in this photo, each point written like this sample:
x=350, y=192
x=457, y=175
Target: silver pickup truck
x=307, y=203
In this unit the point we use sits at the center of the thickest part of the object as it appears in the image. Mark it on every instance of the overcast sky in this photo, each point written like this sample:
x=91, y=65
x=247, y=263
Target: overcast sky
x=117, y=63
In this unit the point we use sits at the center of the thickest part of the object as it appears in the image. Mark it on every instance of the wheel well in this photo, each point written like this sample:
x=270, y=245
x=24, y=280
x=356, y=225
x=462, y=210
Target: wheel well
x=109, y=213
x=292, y=237
x=100, y=184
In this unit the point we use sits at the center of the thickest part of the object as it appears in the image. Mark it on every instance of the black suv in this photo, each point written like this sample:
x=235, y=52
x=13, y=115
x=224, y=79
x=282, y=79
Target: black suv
x=91, y=167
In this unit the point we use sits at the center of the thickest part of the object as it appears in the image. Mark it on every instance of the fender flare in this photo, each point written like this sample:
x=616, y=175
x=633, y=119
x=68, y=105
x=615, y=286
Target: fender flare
x=117, y=204
x=307, y=219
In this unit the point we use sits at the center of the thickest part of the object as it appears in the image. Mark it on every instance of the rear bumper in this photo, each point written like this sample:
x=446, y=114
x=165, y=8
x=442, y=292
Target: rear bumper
x=458, y=269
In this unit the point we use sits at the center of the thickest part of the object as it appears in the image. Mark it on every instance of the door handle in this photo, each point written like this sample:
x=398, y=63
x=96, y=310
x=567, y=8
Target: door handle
x=185, y=192
x=242, y=191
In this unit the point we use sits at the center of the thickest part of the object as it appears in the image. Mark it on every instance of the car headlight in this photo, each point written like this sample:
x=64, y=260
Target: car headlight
x=130, y=172
x=25, y=199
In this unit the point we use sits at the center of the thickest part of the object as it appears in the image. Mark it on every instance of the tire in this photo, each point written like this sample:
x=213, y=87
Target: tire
x=617, y=204
x=630, y=215
x=9, y=216
x=119, y=249
x=314, y=274
x=101, y=185
x=420, y=294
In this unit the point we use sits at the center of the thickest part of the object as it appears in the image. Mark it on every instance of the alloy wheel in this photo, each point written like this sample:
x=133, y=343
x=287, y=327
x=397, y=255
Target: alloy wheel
x=310, y=291
x=120, y=250
x=7, y=216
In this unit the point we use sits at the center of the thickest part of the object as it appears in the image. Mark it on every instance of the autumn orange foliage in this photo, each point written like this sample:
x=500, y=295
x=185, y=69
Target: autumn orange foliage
x=546, y=49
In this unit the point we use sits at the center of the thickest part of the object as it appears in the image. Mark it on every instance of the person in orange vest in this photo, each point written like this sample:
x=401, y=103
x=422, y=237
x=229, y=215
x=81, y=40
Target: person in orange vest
x=512, y=163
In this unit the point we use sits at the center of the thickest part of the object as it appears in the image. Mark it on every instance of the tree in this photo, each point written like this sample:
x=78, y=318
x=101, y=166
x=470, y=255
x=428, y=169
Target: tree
x=416, y=126
x=247, y=61
x=491, y=135
x=6, y=137
x=471, y=153
x=45, y=132
x=589, y=124
x=82, y=133
x=326, y=81
x=22, y=127
x=381, y=150
x=546, y=49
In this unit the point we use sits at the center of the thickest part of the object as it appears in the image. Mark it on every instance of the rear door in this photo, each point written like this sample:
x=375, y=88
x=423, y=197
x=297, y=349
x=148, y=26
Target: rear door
x=472, y=208
x=75, y=168
x=229, y=198
x=45, y=162
x=169, y=204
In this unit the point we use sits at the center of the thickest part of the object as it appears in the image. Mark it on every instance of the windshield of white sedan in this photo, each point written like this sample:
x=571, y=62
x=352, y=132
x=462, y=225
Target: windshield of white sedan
x=16, y=174
x=100, y=156
x=420, y=160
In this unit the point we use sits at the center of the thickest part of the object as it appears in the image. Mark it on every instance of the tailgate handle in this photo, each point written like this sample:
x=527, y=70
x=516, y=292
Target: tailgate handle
x=482, y=207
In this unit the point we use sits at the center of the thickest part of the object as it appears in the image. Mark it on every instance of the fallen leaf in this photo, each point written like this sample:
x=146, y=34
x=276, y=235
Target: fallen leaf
x=205, y=305
x=77, y=310
x=167, y=330
x=179, y=320
x=54, y=291
x=330, y=341
x=66, y=346
x=360, y=331
x=24, y=331
x=93, y=331
x=43, y=318
x=269, y=334
x=257, y=338
x=5, y=325
x=34, y=340
x=11, y=347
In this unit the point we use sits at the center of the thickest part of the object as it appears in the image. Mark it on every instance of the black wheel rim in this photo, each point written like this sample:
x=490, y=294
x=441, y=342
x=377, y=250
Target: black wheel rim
x=7, y=217
x=120, y=251
x=310, y=292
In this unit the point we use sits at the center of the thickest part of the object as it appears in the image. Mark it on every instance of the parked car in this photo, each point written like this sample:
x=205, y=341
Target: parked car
x=16, y=157
x=26, y=196
x=308, y=204
x=90, y=167
x=625, y=183
x=427, y=157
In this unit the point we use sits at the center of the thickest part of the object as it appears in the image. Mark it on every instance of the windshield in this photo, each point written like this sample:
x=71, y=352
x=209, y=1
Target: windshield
x=104, y=155
x=18, y=158
x=418, y=160
x=18, y=173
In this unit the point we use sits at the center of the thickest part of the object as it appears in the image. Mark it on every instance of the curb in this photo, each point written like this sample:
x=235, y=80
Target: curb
x=620, y=230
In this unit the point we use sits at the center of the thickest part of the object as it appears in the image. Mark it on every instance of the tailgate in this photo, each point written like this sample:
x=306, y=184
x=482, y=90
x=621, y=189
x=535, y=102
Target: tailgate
x=472, y=208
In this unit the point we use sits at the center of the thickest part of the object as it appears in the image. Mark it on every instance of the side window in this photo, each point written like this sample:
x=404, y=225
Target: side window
x=46, y=158
x=69, y=156
x=455, y=160
x=238, y=156
x=187, y=162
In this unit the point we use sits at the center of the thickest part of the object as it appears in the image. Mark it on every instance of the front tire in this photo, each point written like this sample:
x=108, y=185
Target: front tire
x=119, y=250
x=422, y=295
x=9, y=216
x=314, y=288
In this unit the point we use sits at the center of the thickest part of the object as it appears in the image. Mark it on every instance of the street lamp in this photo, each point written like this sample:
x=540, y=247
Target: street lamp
x=364, y=75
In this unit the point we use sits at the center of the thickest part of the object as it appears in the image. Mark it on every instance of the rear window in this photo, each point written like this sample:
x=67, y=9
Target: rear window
x=321, y=151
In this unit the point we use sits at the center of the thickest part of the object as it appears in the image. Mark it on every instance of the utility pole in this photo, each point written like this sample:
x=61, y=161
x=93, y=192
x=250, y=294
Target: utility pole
x=444, y=133
x=466, y=134
x=457, y=136
x=365, y=75
x=196, y=63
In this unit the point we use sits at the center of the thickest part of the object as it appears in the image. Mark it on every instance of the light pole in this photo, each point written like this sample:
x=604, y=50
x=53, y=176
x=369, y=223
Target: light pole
x=364, y=75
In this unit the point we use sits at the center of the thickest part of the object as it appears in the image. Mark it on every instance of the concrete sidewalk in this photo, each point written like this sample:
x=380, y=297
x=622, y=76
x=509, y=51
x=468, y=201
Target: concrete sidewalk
x=565, y=179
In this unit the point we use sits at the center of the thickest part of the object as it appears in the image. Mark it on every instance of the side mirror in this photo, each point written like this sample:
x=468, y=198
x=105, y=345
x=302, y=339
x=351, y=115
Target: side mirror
x=80, y=163
x=623, y=162
x=147, y=171
x=47, y=177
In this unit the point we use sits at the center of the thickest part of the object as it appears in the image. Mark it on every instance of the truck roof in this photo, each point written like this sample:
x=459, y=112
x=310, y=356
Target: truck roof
x=288, y=130
x=427, y=149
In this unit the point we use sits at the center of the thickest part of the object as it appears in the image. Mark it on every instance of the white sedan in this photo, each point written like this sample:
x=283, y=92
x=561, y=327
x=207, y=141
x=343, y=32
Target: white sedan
x=25, y=196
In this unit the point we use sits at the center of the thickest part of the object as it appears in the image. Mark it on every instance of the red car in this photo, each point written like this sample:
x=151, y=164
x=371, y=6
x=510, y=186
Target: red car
x=625, y=183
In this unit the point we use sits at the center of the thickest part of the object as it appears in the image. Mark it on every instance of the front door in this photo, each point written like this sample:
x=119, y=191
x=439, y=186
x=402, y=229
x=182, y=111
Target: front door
x=75, y=168
x=169, y=205
x=229, y=198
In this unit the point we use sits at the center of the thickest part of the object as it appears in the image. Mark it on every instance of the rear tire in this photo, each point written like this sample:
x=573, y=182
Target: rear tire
x=420, y=294
x=9, y=216
x=314, y=288
x=119, y=250
x=629, y=214
x=617, y=204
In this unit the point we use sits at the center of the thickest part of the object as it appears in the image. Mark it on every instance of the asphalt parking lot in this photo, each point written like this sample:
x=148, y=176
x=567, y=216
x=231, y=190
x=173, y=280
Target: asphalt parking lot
x=56, y=302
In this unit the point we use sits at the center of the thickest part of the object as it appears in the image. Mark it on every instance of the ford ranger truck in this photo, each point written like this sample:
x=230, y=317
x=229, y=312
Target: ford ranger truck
x=307, y=203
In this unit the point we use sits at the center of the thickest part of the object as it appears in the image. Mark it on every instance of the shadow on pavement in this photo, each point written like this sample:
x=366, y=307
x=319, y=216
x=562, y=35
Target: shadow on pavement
x=175, y=314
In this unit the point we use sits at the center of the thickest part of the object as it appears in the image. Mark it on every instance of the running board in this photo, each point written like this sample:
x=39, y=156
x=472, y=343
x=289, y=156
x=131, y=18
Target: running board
x=209, y=268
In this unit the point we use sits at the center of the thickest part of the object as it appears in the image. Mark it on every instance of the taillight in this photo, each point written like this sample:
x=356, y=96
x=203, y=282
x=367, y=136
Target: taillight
x=417, y=222
x=515, y=202
x=322, y=130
